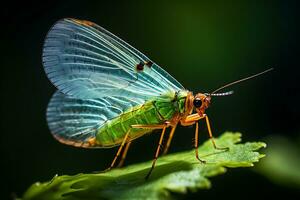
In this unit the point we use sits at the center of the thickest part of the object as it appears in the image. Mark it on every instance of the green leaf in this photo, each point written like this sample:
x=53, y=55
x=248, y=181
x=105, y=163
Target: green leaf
x=174, y=173
x=282, y=165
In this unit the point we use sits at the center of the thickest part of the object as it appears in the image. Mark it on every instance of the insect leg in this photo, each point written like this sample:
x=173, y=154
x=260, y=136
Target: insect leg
x=191, y=119
x=149, y=126
x=211, y=136
x=169, y=140
x=196, y=143
x=157, y=151
x=119, y=150
x=124, y=154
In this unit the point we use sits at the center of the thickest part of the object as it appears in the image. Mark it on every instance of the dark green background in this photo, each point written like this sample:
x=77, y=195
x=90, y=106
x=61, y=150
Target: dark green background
x=203, y=45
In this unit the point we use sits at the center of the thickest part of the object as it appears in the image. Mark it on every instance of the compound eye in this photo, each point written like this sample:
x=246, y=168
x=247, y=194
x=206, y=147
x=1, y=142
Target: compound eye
x=197, y=103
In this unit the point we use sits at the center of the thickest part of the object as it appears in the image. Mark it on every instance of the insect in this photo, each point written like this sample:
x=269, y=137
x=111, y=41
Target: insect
x=110, y=94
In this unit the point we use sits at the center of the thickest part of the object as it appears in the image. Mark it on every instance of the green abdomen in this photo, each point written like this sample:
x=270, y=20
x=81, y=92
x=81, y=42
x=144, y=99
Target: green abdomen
x=151, y=113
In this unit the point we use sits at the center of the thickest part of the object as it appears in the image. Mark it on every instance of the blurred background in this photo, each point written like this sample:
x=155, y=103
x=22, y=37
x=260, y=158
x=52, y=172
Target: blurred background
x=203, y=45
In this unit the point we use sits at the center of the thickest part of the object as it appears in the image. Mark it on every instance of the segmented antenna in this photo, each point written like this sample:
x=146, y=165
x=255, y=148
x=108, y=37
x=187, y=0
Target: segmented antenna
x=220, y=94
x=238, y=81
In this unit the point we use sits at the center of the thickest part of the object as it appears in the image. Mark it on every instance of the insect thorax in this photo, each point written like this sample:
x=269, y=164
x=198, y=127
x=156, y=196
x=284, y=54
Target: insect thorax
x=170, y=104
x=180, y=99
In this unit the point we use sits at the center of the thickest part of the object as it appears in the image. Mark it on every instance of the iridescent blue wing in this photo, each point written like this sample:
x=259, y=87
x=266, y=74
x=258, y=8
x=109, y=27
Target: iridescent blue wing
x=86, y=61
x=76, y=121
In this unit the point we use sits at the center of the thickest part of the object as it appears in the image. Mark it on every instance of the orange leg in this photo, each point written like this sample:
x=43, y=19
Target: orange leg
x=124, y=154
x=191, y=119
x=169, y=140
x=126, y=138
x=119, y=151
x=157, y=151
x=143, y=126
x=184, y=123
x=211, y=136
x=196, y=143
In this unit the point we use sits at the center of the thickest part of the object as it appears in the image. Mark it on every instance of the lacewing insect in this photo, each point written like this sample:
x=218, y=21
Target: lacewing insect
x=110, y=94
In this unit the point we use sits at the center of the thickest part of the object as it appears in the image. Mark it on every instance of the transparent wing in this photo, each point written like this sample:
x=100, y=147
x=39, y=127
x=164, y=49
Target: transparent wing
x=75, y=121
x=84, y=60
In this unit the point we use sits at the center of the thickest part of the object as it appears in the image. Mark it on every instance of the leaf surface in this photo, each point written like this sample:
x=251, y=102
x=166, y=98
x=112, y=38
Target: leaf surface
x=174, y=173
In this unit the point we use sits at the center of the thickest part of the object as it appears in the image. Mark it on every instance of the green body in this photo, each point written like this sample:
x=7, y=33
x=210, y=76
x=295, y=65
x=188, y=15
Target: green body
x=153, y=112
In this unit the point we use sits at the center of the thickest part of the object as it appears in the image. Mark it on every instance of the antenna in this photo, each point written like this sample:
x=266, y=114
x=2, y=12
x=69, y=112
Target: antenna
x=220, y=94
x=238, y=81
